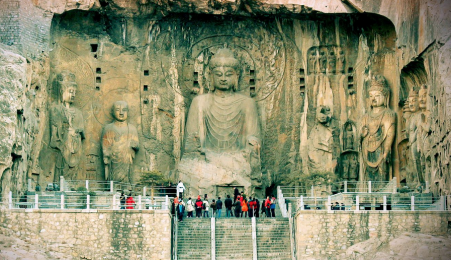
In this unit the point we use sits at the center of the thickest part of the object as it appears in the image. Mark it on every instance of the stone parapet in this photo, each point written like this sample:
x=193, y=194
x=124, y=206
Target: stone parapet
x=320, y=234
x=99, y=234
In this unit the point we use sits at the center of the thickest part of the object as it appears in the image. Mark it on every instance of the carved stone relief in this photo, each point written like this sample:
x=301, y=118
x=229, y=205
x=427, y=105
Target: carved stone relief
x=378, y=128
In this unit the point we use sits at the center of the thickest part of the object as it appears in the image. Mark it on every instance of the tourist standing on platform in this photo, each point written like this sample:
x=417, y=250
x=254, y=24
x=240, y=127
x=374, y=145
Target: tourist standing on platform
x=228, y=204
x=190, y=208
x=244, y=208
x=199, y=207
x=257, y=208
x=213, y=207
x=252, y=207
x=263, y=207
x=268, y=207
x=272, y=207
x=219, y=207
x=237, y=208
x=122, y=199
x=176, y=200
x=235, y=193
x=180, y=189
x=130, y=203
x=206, y=207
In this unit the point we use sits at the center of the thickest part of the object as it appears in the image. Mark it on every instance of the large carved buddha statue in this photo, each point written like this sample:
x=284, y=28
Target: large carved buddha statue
x=378, y=132
x=120, y=142
x=222, y=142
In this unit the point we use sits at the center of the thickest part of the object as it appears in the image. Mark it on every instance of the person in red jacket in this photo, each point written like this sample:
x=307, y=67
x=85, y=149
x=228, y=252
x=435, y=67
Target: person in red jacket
x=130, y=203
x=198, y=206
x=268, y=207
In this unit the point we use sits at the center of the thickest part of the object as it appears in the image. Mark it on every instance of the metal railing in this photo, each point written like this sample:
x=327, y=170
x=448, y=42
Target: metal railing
x=65, y=201
x=325, y=190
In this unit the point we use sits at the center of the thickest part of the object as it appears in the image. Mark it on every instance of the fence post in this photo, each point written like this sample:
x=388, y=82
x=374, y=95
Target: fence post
x=166, y=203
x=139, y=202
x=213, y=239
x=88, y=201
x=61, y=183
x=346, y=187
x=145, y=191
x=114, y=202
x=426, y=189
x=357, y=203
x=87, y=185
x=36, y=201
x=254, y=239
x=329, y=208
x=369, y=186
x=10, y=200
x=62, y=201
x=302, y=202
x=111, y=186
x=412, y=203
x=312, y=193
x=442, y=203
x=385, y=203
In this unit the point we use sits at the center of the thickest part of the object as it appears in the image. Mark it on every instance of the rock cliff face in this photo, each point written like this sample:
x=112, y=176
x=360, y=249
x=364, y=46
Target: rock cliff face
x=308, y=65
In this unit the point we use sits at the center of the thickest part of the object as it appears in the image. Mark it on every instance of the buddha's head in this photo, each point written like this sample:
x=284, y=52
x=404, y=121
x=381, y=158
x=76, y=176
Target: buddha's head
x=323, y=115
x=67, y=86
x=413, y=101
x=120, y=111
x=422, y=97
x=224, y=70
x=379, y=93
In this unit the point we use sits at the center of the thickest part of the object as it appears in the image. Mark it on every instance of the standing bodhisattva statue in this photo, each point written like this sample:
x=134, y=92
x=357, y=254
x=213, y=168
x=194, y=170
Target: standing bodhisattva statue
x=222, y=144
x=67, y=129
x=119, y=145
x=378, y=132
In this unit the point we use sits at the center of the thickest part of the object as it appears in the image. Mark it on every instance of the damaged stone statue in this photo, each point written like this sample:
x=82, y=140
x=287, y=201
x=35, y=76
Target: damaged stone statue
x=320, y=143
x=378, y=132
x=66, y=129
x=222, y=143
x=414, y=176
x=120, y=143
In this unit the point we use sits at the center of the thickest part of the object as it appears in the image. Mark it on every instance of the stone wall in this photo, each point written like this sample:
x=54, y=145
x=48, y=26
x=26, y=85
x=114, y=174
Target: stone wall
x=95, y=235
x=322, y=235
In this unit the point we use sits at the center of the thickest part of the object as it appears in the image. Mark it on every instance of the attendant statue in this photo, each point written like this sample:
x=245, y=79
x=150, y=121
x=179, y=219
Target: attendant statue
x=378, y=132
x=67, y=129
x=415, y=175
x=222, y=143
x=320, y=143
x=120, y=143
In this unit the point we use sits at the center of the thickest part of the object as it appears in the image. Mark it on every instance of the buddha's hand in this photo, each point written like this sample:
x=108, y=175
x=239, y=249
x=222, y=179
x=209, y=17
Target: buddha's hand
x=364, y=131
x=254, y=142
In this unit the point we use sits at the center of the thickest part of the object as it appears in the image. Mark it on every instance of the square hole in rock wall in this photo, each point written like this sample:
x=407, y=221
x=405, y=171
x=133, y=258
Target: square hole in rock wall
x=94, y=47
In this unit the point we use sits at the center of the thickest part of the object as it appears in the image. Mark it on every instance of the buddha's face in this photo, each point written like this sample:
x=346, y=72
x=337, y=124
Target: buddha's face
x=422, y=98
x=413, y=103
x=120, y=111
x=377, y=98
x=69, y=94
x=323, y=115
x=224, y=78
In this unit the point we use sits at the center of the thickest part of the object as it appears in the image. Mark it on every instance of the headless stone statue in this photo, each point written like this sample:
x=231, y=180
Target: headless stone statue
x=67, y=129
x=119, y=145
x=378, y=132
x=222, y=143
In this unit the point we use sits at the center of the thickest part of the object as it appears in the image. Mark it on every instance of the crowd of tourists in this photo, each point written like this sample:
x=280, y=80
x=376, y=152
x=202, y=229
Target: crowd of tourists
x=240, y=206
